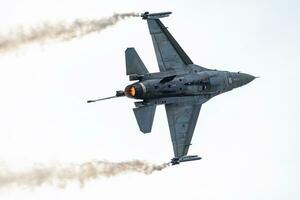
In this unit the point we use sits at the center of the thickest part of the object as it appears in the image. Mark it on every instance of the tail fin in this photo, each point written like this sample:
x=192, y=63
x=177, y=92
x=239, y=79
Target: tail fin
x=144, y=116
x=134, y=64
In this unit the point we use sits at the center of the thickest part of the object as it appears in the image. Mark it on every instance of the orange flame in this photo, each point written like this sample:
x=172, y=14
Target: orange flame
x=132, y=91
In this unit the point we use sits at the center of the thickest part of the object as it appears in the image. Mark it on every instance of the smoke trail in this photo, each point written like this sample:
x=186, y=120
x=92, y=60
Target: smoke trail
x=60, y=31
x=60, y=175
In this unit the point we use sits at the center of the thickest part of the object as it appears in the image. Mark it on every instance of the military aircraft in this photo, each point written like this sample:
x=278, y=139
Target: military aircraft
x=180, y=85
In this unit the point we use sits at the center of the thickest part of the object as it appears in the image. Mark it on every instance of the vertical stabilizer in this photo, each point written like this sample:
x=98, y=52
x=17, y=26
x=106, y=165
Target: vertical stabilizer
x=144, y=116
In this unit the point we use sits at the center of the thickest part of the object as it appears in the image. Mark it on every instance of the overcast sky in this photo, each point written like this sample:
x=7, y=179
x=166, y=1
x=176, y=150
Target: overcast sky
x=248, y=138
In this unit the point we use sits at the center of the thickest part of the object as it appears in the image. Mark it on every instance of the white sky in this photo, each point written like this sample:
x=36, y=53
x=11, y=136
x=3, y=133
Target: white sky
x=248, y=138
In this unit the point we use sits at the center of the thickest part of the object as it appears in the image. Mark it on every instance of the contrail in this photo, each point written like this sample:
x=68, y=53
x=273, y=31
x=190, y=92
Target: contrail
x=60, y=31
x=62, y=174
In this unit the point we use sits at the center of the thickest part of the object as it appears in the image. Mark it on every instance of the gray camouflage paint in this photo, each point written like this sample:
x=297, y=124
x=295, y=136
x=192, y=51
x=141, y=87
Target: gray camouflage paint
x=180, y=85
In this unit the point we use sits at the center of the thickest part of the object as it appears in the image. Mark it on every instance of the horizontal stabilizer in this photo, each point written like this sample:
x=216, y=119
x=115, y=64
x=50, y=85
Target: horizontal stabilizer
x=134, y=64
x=144, y=116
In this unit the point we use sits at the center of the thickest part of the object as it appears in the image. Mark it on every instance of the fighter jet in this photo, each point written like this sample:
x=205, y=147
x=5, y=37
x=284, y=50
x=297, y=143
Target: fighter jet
x=181, y=86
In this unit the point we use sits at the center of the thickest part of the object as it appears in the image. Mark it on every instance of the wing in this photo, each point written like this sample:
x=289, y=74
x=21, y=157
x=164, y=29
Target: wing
x=182, y=119
x=170, y=56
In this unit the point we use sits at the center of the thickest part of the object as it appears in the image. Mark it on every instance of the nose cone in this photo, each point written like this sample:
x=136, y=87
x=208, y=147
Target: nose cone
x=245, y=78
x=240, y=79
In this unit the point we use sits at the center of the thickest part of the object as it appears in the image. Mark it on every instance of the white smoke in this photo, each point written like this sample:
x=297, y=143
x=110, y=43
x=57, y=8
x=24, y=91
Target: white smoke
x=62, y=174
x=60, y=31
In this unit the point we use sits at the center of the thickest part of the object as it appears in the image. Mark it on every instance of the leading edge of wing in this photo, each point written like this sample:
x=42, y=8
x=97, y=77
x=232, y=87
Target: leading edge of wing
x=168, y=52
x=185, y=58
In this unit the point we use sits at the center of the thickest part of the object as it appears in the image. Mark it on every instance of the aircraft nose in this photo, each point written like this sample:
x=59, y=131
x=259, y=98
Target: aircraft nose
x=246, y=78
x=240, y=79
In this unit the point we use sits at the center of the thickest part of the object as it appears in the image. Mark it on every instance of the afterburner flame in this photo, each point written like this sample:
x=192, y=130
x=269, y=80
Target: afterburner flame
x=132, y=91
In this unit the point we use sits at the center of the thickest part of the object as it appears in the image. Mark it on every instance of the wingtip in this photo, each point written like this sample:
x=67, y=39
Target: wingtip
x=147, y=15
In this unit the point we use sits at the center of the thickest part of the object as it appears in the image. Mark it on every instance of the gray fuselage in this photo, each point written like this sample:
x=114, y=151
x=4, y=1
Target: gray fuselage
x=206, y=84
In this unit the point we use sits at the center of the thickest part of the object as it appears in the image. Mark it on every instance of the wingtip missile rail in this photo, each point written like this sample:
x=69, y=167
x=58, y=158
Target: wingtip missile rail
x=147, y=15
x=176, y=161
